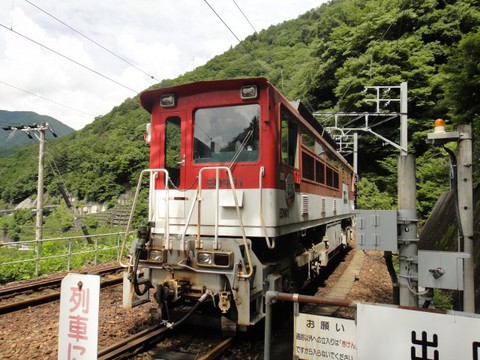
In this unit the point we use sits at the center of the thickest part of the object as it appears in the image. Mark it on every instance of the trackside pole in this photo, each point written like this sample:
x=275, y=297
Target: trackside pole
x=463, y=137
x=465, y=202
x=407, y=239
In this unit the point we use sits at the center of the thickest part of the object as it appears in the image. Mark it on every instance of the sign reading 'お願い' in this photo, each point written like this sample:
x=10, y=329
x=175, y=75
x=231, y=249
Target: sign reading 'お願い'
x=322, y=337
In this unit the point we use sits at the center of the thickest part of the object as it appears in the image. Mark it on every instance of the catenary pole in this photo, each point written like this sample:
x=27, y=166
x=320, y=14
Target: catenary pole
x=465, y=204
x=407, y=224
x=404, y=118
x=407, y=212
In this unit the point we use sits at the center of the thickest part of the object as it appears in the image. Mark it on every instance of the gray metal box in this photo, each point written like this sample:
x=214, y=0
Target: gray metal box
x=377, y=230
x=441, y=269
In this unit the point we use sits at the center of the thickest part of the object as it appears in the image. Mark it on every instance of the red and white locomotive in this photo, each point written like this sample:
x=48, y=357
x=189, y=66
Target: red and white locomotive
x=247, y=194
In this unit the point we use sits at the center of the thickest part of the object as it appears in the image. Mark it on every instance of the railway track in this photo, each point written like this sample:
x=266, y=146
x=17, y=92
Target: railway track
x=31, y=334
x=148, y=337
x=131, y=344
x=49, y=288
x=54, y=281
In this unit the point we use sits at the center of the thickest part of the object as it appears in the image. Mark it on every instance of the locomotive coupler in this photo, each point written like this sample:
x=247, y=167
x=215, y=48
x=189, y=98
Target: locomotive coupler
x=224, y=301
x=173, y=290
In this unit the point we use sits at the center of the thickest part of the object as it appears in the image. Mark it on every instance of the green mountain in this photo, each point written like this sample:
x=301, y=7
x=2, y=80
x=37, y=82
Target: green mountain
x=9, y=140
x=325, y=58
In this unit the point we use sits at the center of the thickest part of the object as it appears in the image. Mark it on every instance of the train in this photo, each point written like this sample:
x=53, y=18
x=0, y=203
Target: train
x=247, y=193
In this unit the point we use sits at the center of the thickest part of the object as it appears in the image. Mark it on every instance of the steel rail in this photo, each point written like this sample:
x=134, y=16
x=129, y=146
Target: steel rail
x=20, y=305
x=217, y=350
x=48, y=282
x=129, y=344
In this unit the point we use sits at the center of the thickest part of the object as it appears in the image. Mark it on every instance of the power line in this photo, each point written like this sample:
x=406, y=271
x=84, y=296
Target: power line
x=93, y=41
x=245, y=16
x=236, y=37
x=44, y=98
x=242, y=44
x=224, y=23
x=69, y=59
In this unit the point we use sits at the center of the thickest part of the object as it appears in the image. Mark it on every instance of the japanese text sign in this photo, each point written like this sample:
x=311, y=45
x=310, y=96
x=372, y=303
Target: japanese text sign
x=78, y=325
x=392, y=333
x=323, y=337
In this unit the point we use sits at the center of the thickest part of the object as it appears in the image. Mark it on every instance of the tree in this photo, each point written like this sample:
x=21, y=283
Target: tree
x=369, y=197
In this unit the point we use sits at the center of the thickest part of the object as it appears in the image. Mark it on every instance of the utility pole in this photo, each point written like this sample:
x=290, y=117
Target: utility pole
x=41, y=157
x=465, y=203
x=464, y=195
x=407, y=225
x=39, y=132
x=407, y=213
x=404, y=118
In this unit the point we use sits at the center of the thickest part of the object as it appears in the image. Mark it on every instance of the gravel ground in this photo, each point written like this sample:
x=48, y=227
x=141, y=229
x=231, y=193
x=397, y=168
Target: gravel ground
x=33, y=334
x=373, y=283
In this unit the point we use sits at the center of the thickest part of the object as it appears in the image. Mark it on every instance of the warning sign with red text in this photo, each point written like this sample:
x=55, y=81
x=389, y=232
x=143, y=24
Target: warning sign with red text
x=78, y=325
x=322, y=337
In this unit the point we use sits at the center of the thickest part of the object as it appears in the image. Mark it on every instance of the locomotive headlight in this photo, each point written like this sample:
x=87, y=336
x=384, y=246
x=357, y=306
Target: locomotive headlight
x=167, y=100
x=205, y=258
x=157, y=255
x=218, y=259
x=249, y=92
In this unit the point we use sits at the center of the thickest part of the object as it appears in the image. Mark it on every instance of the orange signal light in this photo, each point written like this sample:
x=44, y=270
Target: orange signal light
x=439, y=126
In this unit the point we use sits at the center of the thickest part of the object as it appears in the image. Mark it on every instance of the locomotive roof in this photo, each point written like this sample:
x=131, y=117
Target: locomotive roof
x=148, y=97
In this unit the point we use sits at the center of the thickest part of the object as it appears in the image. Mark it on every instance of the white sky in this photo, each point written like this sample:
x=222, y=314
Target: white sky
x=163, y=38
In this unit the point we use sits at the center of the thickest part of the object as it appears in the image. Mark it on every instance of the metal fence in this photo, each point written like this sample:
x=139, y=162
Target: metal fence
x=68, y=248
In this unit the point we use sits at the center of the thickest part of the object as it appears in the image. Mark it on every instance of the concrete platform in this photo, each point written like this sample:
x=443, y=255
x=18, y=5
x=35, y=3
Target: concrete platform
x=343, y=285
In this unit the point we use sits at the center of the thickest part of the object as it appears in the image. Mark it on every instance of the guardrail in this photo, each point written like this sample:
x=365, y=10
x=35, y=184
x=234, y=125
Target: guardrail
x=67, y=247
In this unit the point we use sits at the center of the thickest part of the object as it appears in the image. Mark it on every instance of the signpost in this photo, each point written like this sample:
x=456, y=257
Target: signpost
x=388, y=332
x=322, y=337
x=379, y=332
x=78, y=325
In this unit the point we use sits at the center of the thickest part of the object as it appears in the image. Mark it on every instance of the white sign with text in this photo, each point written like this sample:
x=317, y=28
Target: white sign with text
x=392, y=333
x=322, y=337
x=78, y=325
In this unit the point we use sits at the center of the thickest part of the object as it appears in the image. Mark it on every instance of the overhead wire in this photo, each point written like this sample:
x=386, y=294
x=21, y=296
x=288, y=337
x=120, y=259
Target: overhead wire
x=69, y=59
x=236, y=37
x=255, y=30
x=93, y=41
x=224, y=23
x=245, y=16
x=242, y=44
x=46, y=99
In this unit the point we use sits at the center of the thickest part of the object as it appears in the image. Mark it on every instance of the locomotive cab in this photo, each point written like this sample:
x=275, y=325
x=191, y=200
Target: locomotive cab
x=245, y=196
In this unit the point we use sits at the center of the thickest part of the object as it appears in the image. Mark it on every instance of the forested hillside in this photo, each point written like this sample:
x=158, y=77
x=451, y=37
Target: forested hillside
x=325, y=58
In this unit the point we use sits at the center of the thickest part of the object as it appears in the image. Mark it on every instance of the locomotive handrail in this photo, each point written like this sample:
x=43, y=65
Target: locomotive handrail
x=153, y=175
x=198, y=199
x=271, y=244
